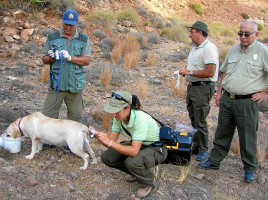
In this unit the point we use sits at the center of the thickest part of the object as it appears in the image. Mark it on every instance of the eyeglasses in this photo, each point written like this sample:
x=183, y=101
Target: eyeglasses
x=246, y=34
x=119, y=97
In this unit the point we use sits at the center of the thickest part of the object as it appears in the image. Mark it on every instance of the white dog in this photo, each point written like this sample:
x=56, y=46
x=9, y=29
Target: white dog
x=59, y=132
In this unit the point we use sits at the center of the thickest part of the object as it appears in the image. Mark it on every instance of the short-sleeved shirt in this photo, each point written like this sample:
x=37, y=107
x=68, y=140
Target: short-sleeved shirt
x=86, y=50
x=246, y=72
x=141, y=126
x=200, y=56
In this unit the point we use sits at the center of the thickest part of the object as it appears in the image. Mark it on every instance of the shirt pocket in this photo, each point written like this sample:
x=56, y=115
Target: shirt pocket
x=231, y=63
x=253, y=68
x=57, y=44
x=78, y=49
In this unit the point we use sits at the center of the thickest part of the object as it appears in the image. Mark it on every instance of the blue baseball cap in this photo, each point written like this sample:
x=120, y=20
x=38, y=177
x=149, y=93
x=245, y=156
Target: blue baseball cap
x=70, y=17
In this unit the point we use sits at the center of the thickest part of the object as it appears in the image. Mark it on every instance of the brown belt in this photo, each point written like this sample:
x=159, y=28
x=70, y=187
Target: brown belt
x=236, y=96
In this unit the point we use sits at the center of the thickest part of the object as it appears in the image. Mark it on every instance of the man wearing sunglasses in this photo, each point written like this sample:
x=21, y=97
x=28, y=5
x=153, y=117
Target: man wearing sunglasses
x=243, y=83
x=201, y=73
x=138, y=156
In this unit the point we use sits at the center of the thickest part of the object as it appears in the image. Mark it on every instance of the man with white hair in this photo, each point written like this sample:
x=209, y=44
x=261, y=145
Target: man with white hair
x=243, y=83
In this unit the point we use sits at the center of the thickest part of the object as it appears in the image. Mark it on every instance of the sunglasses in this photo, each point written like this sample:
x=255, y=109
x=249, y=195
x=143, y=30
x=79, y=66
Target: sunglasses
x=246, y=34
x=119, y=97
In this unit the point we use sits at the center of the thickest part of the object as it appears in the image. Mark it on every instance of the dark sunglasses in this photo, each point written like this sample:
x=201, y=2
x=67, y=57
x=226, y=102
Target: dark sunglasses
x=246, y=34
x=119, y=97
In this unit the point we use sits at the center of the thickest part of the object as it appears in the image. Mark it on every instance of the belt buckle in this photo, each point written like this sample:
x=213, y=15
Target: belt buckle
x=232, y=96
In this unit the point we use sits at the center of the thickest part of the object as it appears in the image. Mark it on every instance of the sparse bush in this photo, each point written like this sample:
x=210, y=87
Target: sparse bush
x=128, y=14
x=96, y=114
x=198, y=8
x=107, y=45
x=158, y=22
x=143, y=12
x=153, y=38
x=176, y=33
x=260, y=26
x=244, y=15
x=99, y=34
x=105, y=18
x=116, y=53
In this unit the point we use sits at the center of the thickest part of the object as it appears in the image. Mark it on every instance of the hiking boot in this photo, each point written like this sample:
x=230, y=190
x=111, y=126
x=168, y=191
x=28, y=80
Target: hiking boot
x=249, y=177
x=131, y=179
x=202, y=156
x=208, y=165
x=144, y=191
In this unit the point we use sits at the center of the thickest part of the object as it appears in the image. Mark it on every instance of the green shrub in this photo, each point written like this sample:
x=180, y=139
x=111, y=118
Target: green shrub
x=260, y=26
x=105, y=18
x=128, y=14
x=198, y=8
x=244, y=15
x=176, y=33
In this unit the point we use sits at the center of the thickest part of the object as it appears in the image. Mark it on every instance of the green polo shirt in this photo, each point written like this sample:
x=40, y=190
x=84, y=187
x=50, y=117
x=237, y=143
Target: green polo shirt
x=246, y=72
x=200, y=56
x=141, y=126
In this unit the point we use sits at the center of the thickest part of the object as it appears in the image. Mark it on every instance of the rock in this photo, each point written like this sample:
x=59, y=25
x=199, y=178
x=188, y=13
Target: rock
x=31, y=181
x=9, y=38
x=178, y=193
x=199, y=176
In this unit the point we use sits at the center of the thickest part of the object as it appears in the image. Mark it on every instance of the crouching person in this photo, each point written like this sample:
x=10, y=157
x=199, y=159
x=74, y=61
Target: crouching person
x=139, y=155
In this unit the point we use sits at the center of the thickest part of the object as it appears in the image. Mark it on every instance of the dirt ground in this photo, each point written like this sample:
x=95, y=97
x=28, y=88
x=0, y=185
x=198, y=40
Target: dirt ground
x=54, y=173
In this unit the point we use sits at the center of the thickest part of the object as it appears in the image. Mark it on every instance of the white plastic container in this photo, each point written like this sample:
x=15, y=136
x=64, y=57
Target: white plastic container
x=11, y=144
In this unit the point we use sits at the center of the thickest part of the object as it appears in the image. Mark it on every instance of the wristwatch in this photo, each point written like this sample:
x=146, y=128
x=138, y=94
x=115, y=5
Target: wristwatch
x=191, y=72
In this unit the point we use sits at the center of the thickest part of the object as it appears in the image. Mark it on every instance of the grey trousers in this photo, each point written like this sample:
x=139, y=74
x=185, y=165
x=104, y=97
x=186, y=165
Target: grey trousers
x=242, y=114
x=198, y=99
x=138, y=166
x=73, y=101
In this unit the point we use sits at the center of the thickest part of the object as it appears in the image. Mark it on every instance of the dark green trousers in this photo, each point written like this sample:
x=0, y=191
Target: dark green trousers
x=198, y=98
x=242, y=114
x=138, y=166
x=74, y=103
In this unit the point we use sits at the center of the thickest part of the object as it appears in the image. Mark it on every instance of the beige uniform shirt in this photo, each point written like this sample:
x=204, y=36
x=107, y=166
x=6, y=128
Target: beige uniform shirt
x=246, y=73
x=199, y=57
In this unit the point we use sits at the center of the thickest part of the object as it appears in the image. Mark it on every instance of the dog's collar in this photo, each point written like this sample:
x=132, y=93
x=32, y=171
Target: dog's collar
x=21, y=132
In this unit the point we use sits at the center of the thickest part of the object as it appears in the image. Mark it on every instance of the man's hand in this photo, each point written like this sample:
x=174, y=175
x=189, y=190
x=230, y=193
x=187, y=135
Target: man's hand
x=260, y=96
x=65, y=55
x=51, y=53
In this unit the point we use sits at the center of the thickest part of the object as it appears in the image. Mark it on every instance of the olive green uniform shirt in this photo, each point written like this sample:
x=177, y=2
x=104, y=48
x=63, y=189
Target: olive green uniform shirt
x=246, y=72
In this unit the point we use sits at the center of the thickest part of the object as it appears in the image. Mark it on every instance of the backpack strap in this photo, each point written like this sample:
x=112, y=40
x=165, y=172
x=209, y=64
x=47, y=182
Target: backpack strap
x=161, y=124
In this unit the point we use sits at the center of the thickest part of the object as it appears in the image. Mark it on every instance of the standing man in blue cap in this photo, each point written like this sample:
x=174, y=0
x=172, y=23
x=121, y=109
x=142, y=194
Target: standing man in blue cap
x=67, y=51
x=201, y=73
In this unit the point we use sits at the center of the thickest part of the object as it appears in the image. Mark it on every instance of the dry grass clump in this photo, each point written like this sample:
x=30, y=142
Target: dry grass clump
x=96, y=114
x=184, y=173
x=176, y=33
x=107, y=122
x=181, y=91
x=152, y=60
x=198, y=8
x=106, y=77
x=129, y=49
x=143, y=89
x=235, y=147
x=260, y=154
x=45, y=77
x=131, y=60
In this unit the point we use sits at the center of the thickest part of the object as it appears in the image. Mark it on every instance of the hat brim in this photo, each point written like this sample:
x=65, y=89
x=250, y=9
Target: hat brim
x=111, y=109
x=74, y=23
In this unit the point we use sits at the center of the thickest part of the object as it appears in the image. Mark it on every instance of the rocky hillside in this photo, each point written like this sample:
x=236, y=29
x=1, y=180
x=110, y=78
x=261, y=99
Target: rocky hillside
x=54, y=173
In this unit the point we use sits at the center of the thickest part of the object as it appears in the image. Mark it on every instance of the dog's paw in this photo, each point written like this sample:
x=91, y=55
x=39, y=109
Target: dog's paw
x=29, y=157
